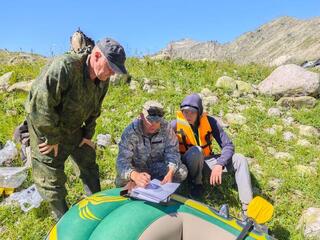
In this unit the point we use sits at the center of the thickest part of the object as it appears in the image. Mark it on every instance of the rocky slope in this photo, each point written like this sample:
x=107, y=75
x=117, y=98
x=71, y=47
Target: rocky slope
x=283, y=40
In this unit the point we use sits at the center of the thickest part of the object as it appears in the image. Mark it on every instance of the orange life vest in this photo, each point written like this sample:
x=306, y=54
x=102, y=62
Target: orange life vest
x=187, y=137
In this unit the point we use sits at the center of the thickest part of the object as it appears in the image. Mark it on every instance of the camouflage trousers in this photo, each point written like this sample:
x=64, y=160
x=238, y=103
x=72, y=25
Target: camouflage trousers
x=48, y=171
x=159, y=170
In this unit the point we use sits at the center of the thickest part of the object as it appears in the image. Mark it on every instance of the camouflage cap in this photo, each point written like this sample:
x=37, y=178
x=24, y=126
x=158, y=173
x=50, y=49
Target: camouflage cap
x=153, y=111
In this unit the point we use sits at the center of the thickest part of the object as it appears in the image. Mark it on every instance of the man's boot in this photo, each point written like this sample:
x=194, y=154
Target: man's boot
x=59, y=208
x=92, y=186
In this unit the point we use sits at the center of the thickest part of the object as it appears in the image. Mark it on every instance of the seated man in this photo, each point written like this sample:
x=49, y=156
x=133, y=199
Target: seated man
x=195, y=131
x=149, y=149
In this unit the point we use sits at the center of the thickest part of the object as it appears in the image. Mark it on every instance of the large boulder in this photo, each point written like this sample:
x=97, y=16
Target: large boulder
x=308, y=131
x=297, y=102
x=291, y=80
x=310, y=223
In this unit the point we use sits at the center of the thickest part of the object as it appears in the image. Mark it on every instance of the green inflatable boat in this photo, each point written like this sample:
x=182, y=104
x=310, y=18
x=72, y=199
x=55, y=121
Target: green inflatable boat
x=109, y=216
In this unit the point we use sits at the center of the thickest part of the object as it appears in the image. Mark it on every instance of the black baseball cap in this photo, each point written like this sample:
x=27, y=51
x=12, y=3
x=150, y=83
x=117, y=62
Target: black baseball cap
x=114, y=53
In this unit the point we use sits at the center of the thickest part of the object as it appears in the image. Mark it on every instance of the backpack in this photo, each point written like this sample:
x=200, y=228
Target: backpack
x=81, y=43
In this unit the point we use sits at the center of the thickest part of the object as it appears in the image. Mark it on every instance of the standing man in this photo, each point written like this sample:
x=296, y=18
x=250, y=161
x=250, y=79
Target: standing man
x=62, y=107
x=149, y=149
x=195, y=131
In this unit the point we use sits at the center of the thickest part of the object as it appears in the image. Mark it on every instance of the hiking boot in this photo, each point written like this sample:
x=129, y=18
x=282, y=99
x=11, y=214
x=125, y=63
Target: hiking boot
x=196, y=191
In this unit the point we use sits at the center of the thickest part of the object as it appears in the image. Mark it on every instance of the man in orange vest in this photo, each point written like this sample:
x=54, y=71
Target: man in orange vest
x=195, y=131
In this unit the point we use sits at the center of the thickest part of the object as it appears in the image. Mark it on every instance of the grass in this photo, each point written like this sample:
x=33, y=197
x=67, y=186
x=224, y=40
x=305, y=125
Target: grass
x=180, y=77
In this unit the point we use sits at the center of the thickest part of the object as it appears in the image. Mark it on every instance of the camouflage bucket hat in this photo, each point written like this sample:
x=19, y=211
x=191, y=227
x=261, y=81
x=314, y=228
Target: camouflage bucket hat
x=153, y=111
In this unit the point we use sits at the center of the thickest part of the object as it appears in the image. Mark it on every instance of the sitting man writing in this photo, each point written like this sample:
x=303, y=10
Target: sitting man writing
x=149, y=149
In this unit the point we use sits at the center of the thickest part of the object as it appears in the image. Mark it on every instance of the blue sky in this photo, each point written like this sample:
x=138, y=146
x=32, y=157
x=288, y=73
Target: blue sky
x=141, y=26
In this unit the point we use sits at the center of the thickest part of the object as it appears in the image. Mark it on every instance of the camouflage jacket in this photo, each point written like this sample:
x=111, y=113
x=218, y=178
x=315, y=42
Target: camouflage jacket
x=63, y=99
x=142, y=153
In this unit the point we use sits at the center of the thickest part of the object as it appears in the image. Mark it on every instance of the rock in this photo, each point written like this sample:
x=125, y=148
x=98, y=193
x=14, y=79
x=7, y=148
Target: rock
x=271, y=150
x=291, y=80
x=278, y=128
x=209, y=101
x=308, y=131
x=310, y=223
x=257, y=169
x=274, y=112
x=22, y=86
x=305, y=170
x=226, y=83
x=206, y=92
x=275, y=183
x=288, y=121
x=297, y=102
x=221, y=122
x=146, y=87
x=236, y=94
x=234, y=118
x=153, y=89
x=244, y=87
x=270, y=131
x=134, y=85
x=283, y=156
x=147, y=81
x=107, y=182
x=288, y=136
x=4, y=81
x=304, y=143
x=118, y=79
x=241, y=108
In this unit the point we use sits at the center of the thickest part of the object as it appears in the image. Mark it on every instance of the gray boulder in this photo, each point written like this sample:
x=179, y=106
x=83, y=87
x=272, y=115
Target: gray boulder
x=310, y=223
x=308, y=131
x=291, y=80
x=297, y=102
x=274, y=112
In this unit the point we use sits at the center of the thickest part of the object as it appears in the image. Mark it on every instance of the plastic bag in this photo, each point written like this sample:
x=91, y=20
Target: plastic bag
x=8, y=152
x=12, y=177
x=28, y=198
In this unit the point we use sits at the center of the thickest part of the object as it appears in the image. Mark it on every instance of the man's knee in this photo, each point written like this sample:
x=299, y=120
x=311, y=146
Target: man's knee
x=194, y=154
x=238, y=161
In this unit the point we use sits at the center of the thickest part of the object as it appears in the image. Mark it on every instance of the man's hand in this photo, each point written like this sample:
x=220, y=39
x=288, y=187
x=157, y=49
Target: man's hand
x=168, y=177
x=45, y=148
x=141, y=179
x=130, y=185
x=88, y=142
x=216, y=175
